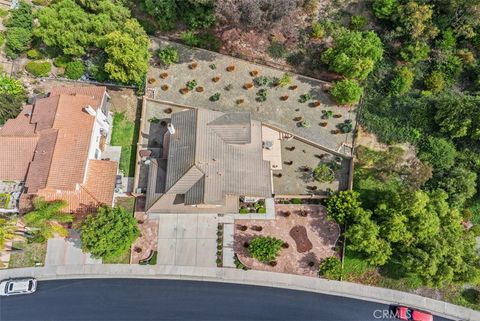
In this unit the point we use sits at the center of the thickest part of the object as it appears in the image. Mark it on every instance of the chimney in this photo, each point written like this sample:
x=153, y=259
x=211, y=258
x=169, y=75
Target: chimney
x=171, y=129
x=90, y=110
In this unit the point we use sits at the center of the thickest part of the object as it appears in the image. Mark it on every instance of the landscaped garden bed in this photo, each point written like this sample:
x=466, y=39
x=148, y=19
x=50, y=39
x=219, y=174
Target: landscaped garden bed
x=314, y=239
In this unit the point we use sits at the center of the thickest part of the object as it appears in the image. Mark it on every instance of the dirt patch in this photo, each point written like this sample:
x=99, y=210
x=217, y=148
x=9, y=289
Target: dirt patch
x=299, y=235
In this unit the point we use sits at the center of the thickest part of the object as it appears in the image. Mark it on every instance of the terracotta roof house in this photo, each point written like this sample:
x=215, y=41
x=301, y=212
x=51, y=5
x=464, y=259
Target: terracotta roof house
x=209, y=160
x=53, y=149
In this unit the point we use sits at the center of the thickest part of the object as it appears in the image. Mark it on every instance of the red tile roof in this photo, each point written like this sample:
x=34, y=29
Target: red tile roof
x=47, y=146
x=15, y=156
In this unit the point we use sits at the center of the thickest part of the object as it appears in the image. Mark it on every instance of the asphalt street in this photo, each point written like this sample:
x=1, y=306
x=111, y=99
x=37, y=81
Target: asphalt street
x=171, y=300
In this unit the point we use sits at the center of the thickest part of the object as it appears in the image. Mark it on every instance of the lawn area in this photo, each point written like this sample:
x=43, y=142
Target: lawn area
x=124, y=134
x=32, y=253
x=124, y=258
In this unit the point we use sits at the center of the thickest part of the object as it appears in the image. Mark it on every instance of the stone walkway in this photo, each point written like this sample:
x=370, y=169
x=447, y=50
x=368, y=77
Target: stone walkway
x=187, y=239
x=147, y=241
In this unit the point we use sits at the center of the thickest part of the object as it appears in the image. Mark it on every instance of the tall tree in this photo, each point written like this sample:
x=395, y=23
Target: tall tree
x=128, y=54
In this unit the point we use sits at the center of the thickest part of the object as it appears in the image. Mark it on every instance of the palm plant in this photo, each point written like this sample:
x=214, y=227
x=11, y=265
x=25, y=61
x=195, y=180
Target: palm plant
x=7, y=230
x=46, y=219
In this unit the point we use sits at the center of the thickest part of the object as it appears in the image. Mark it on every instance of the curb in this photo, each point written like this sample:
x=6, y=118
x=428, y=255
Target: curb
x=258, y=278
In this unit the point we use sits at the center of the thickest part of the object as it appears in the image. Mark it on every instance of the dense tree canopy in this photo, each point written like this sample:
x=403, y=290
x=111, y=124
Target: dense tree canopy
x=109, y=233
x=12, y=96
x=354, y=53
x=103, y=25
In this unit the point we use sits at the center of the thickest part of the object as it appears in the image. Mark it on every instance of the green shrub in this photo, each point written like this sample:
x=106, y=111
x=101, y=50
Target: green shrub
x=61, y=62
x=261, y=210
x=383, y=9
x=331, y=268
x=358, y=22
x=276, y=50
x=296, y=201
x=18, y=39
x=34, y=54
x=168, y=55
x=402, y=82
x=347, y=92
x=475, y=230
x=74, y=69
x=435, y=81
x=202, y=40
x=243, y=210
x=285, y=80
x=215, y=97
x=39, y=69
x=2, y=39
x=318, y=31
x=3, y=13
x=323, y=173
x=265, y=248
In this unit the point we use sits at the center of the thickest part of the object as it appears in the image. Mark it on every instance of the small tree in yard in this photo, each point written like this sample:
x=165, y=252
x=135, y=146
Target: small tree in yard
x=74, y=69
x=331, y=268
x=109, y=233
x=347, y=92
x=47, y=218
x=168, y=55
x=323, y=173
x=341, y=206
x=265, y=248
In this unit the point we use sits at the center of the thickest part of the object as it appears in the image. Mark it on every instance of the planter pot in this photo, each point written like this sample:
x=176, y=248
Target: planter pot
x=216, y=79
x=299, y=118
x=151, y=80
x=248, y=85
x=337, y=116
x=184, y=91
x=164, y=87
x=164, y=75
x=284, y=98
x=316, y=103
x=254, y=73
x=323, y=124
x=287, y=213
x=289, y=163
x=199, y=89
x=311, y=264
x=246, y=244
x=293, y=87
x=193, y=66
x=273, y=263
x=278, y=175
x=240, y=101
x=230, y=68
x=243, y=228
x=168, y=111
x=285, y=245
x=336, y=131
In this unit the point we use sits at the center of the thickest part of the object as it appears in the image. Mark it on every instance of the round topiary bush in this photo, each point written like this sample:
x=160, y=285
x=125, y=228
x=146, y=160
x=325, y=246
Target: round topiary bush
x=74, y=69
x=34, y=54
x=39, y=68
x=265, y=248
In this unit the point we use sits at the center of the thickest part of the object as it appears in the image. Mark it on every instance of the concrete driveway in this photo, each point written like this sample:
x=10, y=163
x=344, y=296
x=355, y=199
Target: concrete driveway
x=67, y=251
x=187, y=239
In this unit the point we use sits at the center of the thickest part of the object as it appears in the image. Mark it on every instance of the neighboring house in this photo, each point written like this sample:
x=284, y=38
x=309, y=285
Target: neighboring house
x=209, y=159
x=53, y=149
